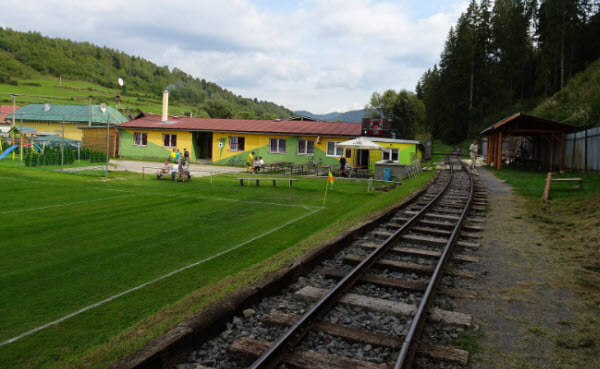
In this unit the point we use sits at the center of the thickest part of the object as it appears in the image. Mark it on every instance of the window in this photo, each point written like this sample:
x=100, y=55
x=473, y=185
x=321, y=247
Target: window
x=390, y=154
x=237, y=143
x=333, y=150
x=169, y=140
x=306, y=147
x=277, y=146
x=140, y=139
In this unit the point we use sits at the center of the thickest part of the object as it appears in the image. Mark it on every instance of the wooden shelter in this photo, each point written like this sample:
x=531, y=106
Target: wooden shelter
x=541, y=134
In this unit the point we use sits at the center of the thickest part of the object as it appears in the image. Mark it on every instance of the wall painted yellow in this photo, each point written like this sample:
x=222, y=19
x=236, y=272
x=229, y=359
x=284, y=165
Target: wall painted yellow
x=71, y=130
x=154, y=148
x=253, y=142
x=404, y=151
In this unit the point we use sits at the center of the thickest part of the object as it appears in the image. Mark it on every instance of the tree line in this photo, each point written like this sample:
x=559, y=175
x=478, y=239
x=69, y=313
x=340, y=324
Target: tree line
x=503, y=57
x=22, y=54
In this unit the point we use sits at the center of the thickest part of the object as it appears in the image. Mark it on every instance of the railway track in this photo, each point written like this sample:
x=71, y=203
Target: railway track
x=385, y=301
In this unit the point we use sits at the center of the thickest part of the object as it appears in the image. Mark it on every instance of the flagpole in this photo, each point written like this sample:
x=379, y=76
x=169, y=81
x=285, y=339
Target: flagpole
x=325, y=196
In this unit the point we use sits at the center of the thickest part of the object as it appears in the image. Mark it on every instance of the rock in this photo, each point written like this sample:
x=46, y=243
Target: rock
x=334, y=320
x=367, y=348
x=248, y=313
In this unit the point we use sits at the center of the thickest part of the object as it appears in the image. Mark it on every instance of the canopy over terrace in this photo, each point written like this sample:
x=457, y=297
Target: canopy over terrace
x=539, y=132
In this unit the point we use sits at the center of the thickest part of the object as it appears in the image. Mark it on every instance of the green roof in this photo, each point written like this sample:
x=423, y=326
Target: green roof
x=70, y=113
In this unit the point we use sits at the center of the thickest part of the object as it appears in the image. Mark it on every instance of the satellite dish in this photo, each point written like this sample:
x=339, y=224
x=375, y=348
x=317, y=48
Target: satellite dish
x=120, y=80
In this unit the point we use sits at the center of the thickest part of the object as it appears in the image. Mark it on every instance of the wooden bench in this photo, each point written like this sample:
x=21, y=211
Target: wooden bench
x=549, y=180
x=290, y=180
x=579, y=180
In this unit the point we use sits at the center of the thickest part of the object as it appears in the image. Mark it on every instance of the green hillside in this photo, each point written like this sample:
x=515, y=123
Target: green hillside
x=578, y=102
x=32, y=64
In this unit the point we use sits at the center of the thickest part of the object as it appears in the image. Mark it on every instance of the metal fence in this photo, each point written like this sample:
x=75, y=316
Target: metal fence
x=582, y=151
x=58, y=144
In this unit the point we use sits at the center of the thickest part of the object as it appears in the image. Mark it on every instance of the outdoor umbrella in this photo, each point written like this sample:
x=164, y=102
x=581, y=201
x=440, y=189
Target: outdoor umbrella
x=359, y=143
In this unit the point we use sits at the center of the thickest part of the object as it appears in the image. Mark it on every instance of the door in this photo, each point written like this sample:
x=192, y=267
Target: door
x=204, y=145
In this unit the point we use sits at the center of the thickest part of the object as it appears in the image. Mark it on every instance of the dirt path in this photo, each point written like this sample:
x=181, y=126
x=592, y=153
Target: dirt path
x=523, y=320
x=197, y=170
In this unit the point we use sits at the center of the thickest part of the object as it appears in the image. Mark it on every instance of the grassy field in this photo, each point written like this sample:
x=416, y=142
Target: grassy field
x=70, y=241
x=77, y=92
x=571, y=221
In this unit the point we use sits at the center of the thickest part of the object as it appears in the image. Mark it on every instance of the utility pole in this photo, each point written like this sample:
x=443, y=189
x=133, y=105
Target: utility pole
x=90, y=113
x=14, y=109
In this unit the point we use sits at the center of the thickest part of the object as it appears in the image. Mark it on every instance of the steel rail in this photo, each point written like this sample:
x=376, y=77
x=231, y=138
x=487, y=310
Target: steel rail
x=410, y=344
x=272, y=357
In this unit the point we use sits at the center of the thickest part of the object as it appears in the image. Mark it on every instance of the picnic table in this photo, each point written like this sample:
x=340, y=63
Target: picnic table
x=326, y=168
x=361, y=169
x=278, y=165
x=301, y=167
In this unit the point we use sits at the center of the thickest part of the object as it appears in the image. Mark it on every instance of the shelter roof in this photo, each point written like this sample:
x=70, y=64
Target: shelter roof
x=523, y=124
x=70, y=113
x=309, y=128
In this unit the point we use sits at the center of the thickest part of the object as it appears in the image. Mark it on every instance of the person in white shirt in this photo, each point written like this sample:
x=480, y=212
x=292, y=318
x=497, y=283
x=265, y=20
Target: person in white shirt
x=261, y=163
x=174, y=170
x=473, y=150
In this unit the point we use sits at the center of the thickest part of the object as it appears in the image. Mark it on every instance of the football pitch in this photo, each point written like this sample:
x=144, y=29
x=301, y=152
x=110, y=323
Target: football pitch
x=85, y=259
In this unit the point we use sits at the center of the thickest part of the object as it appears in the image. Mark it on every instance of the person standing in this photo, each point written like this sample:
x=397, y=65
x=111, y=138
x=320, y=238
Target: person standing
x=343, y=166
x=186, y=156
x=251, y=159
x=473, y=150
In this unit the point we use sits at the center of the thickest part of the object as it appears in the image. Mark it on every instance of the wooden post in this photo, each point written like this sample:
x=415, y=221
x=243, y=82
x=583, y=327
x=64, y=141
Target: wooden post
x=499, y=157
x=551, y=153
x=489, y=149
x=562, y=153
x=546, y=194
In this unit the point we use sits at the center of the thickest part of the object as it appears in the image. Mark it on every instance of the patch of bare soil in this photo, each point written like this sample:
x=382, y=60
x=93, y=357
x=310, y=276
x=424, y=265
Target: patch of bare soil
x=525, y=316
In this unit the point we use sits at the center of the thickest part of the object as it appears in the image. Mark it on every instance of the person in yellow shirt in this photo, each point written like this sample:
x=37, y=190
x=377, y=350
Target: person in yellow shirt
x=251, y=159
x=173, y=155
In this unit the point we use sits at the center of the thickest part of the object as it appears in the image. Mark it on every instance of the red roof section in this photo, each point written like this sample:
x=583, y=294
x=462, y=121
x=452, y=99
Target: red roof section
x=153, y=121
x=6, y=110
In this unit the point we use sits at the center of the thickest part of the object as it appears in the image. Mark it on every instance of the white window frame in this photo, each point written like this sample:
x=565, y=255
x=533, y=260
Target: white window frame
x=338, y=152
x=306, y=151
x=171, y=136
x=234, y=140
x=141, y=136
x=386, y=154
x=278, y=146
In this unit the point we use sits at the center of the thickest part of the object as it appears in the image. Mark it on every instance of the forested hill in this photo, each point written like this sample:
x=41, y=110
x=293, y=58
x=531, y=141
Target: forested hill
x=578, y=102
x=508, y=57
x=28, y=55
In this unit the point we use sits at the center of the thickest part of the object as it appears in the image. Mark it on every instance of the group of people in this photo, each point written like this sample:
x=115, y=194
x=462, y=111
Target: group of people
x=177, y=165
x=256, y=162
x=177, y=157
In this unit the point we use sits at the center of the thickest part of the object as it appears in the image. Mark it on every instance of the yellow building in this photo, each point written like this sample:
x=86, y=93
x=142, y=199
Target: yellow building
x=230, y=141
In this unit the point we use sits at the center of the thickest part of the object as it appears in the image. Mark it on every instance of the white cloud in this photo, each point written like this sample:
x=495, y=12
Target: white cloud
x=314, y=55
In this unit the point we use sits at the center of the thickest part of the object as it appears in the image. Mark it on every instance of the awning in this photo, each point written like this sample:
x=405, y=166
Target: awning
x=360, y=143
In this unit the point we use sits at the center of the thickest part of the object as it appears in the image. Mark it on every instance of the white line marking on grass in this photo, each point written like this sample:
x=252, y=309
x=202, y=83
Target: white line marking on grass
x=68, y=204
x=89, y=307
x=307, y=207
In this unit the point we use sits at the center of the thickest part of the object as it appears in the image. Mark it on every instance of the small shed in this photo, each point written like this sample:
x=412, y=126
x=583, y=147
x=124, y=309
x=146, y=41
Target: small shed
x=526, y=139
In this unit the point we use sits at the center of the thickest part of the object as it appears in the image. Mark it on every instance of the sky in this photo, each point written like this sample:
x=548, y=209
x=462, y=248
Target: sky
x=320, y=56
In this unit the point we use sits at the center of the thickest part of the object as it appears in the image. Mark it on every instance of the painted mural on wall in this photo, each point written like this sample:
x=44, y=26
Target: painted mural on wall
x=239, y=158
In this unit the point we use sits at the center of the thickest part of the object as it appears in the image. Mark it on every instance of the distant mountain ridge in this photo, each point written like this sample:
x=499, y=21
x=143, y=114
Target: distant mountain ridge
x=349, y=116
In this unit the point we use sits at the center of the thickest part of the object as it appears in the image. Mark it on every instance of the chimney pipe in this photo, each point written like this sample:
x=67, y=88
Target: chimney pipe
x=165, y=108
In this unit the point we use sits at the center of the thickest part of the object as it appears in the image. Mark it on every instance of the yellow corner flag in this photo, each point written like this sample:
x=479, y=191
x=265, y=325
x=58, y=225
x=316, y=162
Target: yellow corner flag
x=329, y=179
